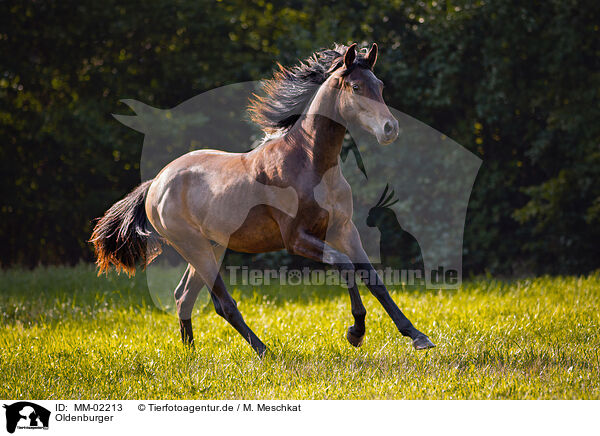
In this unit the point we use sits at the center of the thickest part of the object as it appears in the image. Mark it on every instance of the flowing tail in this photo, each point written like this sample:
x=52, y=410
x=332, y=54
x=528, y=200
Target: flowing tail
x=123, y=236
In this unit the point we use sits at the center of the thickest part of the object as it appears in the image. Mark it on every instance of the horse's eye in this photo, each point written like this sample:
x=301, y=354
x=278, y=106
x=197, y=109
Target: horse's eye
x=355, y=87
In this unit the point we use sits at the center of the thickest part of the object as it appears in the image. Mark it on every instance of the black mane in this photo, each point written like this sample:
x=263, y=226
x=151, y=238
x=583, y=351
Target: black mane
x=291, y=89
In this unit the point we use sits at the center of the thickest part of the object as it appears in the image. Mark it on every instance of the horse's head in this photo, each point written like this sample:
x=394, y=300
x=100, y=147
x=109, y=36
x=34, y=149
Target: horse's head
x=361, y=101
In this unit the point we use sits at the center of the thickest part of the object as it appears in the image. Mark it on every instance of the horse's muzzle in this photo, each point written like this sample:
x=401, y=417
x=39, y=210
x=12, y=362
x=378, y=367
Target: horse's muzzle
x=389, y=132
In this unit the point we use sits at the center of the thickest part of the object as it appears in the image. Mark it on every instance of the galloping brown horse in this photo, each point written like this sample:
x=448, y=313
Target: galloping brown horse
x=288, y=193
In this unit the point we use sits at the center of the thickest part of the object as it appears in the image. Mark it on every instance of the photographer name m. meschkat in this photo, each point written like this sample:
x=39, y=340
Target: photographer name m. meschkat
x=279, y=408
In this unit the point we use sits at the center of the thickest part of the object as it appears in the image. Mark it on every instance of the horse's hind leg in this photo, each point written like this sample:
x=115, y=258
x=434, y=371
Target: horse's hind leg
x=199, y=253
x=185, y=296
x=227, y=308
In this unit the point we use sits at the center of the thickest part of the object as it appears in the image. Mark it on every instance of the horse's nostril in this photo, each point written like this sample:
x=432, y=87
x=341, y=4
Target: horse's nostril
x=387, y=128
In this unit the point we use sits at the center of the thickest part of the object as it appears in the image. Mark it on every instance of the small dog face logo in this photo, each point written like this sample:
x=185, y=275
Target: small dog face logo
x=26, y=415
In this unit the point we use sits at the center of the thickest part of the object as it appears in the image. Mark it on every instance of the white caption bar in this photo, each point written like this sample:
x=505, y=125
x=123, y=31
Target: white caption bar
x=285, y=417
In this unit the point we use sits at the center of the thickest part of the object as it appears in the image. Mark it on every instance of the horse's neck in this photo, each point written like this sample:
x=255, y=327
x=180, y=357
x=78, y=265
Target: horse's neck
x=318, y=132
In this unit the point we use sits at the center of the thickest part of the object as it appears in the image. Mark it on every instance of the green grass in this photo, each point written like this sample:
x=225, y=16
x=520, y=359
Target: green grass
x=68, y=335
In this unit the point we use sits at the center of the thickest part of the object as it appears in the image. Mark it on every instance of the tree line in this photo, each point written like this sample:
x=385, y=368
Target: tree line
x=517, y=83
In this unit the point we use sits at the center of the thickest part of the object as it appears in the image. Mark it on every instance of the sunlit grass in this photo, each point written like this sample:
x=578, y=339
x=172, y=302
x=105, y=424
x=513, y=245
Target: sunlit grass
x=68, y=334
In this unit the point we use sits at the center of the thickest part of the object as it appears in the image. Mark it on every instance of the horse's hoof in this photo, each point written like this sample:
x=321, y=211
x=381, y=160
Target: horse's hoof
x=353, y=339
x=422, y=342
x=187, y=336
x=266, y=355
x=188, y=343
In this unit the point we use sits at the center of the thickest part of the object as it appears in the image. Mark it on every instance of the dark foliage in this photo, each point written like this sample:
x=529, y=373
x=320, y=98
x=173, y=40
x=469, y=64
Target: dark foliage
x=514, y=82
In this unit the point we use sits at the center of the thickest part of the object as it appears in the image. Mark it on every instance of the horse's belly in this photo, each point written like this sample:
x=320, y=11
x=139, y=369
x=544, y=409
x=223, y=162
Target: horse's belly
x=259, y=233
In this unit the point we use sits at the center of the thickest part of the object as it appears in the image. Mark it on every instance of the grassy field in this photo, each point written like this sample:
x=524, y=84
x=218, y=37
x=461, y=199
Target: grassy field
x=68, y=334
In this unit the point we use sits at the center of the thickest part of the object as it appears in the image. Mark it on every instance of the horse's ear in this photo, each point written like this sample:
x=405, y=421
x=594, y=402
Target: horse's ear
x=372, y=56
x=350, y=56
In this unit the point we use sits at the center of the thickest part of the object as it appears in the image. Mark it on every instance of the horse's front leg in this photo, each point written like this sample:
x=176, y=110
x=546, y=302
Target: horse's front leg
x=313, y=248
x=347, y=240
